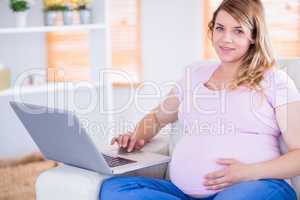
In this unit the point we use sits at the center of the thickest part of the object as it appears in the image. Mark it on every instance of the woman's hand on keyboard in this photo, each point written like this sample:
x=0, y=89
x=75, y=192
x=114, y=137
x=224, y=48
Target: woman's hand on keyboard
x=129, y=142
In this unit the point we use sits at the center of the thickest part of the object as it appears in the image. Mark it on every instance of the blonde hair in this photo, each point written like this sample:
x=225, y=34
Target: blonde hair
x=259, y=57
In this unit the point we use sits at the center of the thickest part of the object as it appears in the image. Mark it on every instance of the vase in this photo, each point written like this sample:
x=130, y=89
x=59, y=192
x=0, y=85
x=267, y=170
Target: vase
x=50, y=17
x=76, y=17
x=21, y=18
x=53, y=18
x=68, y=17
x=85, y=16
x=5, y=78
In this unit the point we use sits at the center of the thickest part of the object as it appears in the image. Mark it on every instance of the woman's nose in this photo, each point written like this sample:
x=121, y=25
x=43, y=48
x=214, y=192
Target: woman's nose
x=227, y=37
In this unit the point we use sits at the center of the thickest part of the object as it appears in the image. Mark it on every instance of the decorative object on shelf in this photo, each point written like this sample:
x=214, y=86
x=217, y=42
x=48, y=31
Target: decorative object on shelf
x=85, y=16
x=54, y=12
x=20, y=8
x=71, y=14
x=76, y=17
x=85, y=11
x=4, y=77
x=68, y=16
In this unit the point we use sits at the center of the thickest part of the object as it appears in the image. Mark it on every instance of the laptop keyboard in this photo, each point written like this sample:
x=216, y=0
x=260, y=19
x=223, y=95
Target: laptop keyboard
x=116, y=161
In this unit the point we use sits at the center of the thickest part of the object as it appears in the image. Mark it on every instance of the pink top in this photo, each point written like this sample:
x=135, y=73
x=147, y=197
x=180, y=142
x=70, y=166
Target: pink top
x=238, y=124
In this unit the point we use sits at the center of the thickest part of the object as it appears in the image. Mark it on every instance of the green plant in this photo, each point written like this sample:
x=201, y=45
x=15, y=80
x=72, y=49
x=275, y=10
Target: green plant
x=82, y=7
x=57, y=7
x=81, y=4
x=19, y=5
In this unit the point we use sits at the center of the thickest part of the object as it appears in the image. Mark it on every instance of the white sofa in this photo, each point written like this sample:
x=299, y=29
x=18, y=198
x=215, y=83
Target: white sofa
x=66, y=182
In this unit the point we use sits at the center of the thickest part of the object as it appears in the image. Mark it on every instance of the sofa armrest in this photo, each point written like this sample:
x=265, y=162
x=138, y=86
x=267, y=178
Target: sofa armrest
x=67, y=182
x=296, y=184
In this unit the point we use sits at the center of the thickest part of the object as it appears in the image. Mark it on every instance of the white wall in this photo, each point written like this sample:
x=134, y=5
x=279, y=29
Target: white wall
x=171, y=37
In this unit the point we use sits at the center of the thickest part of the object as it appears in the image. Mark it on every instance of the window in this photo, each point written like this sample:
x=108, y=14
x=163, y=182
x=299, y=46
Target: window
x=126, y=41
x=70, y=52
x=283, y=21
x=68, y=56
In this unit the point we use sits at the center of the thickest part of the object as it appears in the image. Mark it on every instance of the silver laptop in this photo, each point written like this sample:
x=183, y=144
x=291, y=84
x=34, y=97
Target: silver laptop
x=70, y=144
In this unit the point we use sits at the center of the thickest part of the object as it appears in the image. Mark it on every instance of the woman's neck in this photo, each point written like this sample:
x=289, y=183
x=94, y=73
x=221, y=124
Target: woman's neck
x=229, y=68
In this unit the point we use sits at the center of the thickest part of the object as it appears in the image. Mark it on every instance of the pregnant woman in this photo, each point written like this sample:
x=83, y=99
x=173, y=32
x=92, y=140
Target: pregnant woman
x=232, y=114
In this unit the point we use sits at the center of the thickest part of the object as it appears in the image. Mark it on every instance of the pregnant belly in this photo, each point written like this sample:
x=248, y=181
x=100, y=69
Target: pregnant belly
x=195, y=156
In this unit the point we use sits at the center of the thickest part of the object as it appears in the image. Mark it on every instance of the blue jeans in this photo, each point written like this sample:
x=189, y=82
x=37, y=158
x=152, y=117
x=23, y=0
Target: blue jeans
x=144, y=188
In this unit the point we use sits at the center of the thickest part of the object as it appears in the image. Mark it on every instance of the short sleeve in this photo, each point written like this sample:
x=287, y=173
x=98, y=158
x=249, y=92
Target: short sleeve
x=281, y=89
x=178, y=89
x=192, y=76
x=184, y=82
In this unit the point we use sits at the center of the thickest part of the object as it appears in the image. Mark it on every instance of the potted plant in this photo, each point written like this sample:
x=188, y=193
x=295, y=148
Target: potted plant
x=84, y=11
x=68, y=15
x=20, y=9
x=54, y=10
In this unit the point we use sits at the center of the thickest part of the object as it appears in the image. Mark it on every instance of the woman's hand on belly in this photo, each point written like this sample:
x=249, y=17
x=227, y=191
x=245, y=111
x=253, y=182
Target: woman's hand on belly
x=234, y=172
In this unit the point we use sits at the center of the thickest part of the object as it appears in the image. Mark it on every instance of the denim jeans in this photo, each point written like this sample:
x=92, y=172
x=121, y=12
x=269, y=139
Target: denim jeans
x=144, y=188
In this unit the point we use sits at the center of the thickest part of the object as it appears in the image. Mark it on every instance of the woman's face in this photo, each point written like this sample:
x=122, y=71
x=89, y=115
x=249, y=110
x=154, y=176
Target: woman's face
x=230, y=40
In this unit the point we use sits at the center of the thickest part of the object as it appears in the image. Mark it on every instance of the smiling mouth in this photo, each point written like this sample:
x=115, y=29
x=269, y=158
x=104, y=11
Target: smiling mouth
x=226, y=48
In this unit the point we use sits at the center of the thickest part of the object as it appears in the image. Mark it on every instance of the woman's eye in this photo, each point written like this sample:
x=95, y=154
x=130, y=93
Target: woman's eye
x=219, y=28
x=239, y=31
